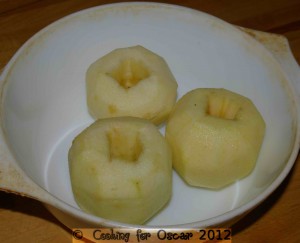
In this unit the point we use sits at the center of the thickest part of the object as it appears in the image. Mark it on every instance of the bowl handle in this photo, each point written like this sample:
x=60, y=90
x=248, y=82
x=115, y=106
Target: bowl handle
x=279, y=47
x=14, y=180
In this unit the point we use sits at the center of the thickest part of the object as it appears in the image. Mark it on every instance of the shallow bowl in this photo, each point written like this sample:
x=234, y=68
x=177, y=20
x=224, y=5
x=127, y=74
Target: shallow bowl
x=43, y=104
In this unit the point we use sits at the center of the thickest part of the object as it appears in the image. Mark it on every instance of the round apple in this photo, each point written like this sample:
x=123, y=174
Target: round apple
x=131, y=81
x=215, y=136
x=121, y=169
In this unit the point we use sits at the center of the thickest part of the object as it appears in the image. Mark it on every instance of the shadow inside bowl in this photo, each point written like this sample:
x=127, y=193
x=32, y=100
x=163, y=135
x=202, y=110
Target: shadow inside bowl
x=264, y=208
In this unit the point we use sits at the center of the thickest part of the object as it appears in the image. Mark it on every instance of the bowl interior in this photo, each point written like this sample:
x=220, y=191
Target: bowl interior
x=44, y=102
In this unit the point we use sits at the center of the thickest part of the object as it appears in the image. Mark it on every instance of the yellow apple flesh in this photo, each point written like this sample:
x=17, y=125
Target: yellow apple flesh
x=215, y=136
x=121, y=169
x=131, y=81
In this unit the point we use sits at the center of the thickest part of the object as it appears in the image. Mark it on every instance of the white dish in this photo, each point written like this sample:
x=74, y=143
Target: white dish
x=44, y=104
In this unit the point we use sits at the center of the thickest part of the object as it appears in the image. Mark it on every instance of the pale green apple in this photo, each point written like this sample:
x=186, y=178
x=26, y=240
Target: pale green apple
x=215, y=136
x=131, y=81
x=121, y=169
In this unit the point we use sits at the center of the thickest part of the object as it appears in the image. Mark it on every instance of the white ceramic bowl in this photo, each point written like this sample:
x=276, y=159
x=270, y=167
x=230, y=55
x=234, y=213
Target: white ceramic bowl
x=44, y=103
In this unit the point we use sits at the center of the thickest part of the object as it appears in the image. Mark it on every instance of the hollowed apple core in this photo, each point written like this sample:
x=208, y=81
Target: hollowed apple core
x=222, y=107
x=124, y=145
x=129, y=72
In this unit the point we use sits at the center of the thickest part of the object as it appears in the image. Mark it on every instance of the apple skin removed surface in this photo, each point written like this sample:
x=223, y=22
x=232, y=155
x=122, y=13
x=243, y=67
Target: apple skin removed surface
x=131, y=81
x=121, y=169
x=215, y=136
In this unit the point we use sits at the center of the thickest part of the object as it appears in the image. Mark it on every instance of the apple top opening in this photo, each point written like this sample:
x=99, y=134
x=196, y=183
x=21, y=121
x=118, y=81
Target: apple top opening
x=124, y=145
x=129, y=72
x=222, y=107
